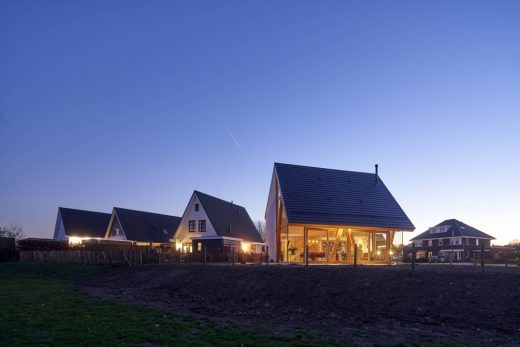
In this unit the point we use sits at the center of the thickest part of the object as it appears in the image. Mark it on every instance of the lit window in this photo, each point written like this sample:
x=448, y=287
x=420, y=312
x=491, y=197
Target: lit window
x=477, y=242
x=196, y=207
x=191, y=226
x=199, y=246
x=202, y=226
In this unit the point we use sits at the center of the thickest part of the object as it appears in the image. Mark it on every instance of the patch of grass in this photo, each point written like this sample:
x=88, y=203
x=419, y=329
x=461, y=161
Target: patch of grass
x=39, y=305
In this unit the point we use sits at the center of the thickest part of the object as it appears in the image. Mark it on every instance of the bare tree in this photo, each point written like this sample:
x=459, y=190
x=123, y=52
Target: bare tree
x=12, y=230
x=260, y=225
x=514, y=242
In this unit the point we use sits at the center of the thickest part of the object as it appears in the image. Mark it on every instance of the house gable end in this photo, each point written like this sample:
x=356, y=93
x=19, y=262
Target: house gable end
x=183, y=234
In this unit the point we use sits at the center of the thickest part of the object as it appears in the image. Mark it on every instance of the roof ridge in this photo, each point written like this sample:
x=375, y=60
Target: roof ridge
x=77, y=209
x=158, y=214
x=326, y=168
x=219, y=199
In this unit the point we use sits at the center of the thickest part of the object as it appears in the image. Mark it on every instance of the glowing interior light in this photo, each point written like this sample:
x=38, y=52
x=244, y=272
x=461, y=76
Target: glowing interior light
x=74, y=240
x=245, y=247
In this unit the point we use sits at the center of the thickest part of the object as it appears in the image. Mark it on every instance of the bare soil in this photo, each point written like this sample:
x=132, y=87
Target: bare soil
x=367, y=305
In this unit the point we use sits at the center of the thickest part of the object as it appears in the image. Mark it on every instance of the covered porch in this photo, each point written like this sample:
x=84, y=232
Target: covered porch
x=326, y=244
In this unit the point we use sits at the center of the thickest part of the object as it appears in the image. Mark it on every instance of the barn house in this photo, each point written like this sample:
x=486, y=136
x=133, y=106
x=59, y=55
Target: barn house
x=141, y=228
x=78, y=225
x=324, y=214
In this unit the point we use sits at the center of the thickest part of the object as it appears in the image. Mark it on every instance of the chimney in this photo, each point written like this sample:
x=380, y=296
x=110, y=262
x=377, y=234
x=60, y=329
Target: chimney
x=377, y=173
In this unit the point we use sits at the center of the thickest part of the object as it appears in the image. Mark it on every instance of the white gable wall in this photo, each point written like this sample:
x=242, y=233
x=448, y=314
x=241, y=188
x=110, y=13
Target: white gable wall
x=59, y=229
x=182, y=234
x=270, y=218
x=115, y=230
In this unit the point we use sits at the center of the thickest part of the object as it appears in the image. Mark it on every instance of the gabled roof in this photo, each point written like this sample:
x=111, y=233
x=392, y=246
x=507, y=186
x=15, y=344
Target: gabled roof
x=456, y=229
x=314, y=195
x=229, y=219
x=146, y=226
x=84, y=223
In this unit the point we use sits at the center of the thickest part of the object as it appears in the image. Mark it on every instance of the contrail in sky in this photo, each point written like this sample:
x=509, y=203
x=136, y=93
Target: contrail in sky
x=237, y=144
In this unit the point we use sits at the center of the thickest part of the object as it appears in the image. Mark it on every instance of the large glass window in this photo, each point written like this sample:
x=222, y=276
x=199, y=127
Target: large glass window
x=202, y=226
x=191, y=226
x=292, y=244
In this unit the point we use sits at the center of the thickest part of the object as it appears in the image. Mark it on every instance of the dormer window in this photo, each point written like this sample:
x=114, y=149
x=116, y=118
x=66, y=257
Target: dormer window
x=196, y=207
x=439, y=229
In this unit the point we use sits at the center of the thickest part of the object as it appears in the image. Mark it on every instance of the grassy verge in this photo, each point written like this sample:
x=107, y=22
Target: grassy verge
x=39, y=305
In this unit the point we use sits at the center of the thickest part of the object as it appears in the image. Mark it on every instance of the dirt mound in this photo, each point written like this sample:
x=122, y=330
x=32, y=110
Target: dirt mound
x=384, y=304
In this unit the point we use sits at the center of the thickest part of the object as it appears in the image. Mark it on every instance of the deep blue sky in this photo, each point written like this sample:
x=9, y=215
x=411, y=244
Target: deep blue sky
x=136, y=103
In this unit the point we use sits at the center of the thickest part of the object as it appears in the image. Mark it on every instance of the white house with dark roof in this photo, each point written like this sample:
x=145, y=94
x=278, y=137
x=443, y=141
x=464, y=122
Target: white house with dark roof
x=327, y=216
x=141, y=228
x=217, y=225
x=451, y=239
x=77, y=225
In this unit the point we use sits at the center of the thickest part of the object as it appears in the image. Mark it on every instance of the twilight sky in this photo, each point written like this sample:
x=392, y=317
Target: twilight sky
x=137, y=103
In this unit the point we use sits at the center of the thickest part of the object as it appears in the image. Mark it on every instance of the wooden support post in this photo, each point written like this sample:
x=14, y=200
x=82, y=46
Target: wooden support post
x=482, y=256
x=355, y=255
x=348, y=245
x=205, y=258
x=305, y=247
x=388, y=246
x=413, y=256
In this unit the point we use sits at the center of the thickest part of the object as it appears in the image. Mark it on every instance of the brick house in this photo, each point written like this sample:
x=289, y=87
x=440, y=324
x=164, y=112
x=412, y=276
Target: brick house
x=450, y=238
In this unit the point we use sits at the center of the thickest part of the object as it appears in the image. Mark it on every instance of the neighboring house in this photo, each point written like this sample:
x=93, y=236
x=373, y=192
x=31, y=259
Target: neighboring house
x=141, y=228
x=324, y=213
x=451, y=238
x=216, y=225
x=77, y=225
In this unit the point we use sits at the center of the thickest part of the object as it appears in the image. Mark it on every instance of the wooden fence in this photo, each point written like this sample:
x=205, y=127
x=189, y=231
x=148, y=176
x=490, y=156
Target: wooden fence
x=134, y=257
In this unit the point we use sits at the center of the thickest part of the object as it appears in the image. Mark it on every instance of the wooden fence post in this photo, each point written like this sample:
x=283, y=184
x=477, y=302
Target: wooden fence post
x=482, y=256
x=413, y=256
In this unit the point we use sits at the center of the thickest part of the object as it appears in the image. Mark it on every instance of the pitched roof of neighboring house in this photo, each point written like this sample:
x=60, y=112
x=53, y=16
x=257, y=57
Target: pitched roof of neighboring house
x=454, y=228
x=314, y=195
x=229, y=219
x=146, y=226
x=84, y=223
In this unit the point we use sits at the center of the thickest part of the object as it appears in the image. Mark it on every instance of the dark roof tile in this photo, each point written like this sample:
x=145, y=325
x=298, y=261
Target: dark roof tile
x=456, y=229
x=146, y=226
x=337, y=197
x=229, y=219
x=84, y=223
